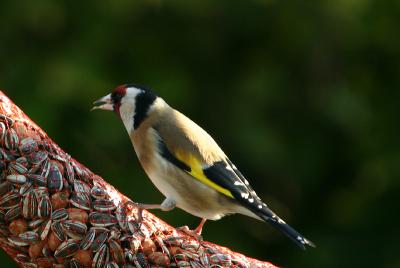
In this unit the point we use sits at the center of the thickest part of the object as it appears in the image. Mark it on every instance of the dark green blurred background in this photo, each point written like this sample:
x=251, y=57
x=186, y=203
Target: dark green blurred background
x=303, y=95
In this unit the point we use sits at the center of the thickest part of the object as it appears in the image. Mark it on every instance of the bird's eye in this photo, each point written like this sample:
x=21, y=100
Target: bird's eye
x=116, y=97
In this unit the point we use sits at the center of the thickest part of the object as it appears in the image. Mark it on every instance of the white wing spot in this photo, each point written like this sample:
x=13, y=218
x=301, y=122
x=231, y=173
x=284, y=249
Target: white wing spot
x=238, y=183
x=228, y=168
x=260, y=206
x=245, y=195
x=251, y=200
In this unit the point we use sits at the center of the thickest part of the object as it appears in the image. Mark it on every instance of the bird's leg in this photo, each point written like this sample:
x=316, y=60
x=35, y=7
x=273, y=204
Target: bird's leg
x=196, y=233
x=167, y=205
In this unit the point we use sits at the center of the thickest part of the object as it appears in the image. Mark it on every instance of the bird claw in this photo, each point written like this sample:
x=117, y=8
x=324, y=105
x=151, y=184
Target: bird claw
x=139, y=217
x=193, y=233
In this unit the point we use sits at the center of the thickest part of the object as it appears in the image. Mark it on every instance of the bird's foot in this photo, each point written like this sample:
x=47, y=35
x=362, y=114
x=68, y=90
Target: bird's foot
x=140, y=208
x=196, y=233
x=193, y=233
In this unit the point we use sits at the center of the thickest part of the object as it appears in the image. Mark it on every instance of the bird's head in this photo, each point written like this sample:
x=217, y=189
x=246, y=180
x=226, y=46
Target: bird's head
x=130, y=102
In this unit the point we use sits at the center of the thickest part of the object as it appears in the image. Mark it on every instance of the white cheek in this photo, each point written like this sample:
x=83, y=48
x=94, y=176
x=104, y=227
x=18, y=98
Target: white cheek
x=127, y=113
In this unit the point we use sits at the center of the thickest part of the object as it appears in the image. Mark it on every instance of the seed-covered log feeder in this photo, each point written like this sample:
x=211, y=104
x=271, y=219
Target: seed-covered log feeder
x=54, y=212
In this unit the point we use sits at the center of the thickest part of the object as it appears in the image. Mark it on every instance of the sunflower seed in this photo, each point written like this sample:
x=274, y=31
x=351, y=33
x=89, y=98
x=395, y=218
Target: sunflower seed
x=29, y=205
x=103, y=205
x=44, y=208
x=13, y=213
x=223, y=259
x=80, y=202
x=66, y=249
x=37, y=180
x=180, y=257
x=239, y=263
x=191, y=245
x=4, y=231
x=58, y=230
x=73, y=263
x=29, y=237
x=27, y=187
x=135, y=245
x=5, y=187
x=9, y=200
x=81, y=189
x=40, y=191
x=116, y=251
x=54, y=178
x=74, y=229
x=140, y=260
x=59, y=214
x=121, y=217
x=144, y=230
x=6, y=155
x=7, y=120
x=44, y=229
x=11, y=139
x=35, y=223
x=98, y=192
x=161, y=244
x=17, y=168
x=101, y=257
x=46, y=251
x=204, y=259
x=115, y=233
x=28, y=145
x=30, y=265
x=16, y=178
x=112, y=265
x=36, y=158
x=87, y=241
x=99, y=240
x=102, y=219
x=3, y=129
x=175, y=241
x=16, y=241
x=69, y=173
x=191, y=255
x=22, y=257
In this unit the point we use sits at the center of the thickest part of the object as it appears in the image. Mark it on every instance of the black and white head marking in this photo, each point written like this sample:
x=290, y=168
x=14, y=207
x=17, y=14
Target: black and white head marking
x=135, y=105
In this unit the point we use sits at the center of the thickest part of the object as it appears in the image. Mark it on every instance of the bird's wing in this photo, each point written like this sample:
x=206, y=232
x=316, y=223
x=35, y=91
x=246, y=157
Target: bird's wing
x=190, y=148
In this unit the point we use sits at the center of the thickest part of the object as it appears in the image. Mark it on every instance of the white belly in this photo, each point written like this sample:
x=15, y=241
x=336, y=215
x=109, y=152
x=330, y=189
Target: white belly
x=195, y=198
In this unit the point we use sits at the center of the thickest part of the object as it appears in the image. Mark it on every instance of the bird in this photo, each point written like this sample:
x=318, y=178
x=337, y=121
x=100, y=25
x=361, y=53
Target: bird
x=185, y=163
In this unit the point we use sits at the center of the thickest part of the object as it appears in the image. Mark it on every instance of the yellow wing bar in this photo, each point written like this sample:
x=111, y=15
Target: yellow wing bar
x=196, y=170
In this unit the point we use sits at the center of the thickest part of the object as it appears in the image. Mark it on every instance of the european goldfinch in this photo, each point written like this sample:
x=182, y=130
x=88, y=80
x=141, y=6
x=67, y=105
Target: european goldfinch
x=185, y=163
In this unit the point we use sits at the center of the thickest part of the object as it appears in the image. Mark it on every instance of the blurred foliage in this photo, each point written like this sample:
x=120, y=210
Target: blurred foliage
x=303, y=96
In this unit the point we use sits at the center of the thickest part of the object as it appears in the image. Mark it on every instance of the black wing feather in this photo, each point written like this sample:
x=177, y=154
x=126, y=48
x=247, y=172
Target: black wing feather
x=226, y=175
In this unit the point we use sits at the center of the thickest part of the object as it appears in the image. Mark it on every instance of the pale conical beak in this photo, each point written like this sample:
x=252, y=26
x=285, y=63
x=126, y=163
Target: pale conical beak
x=104, y=103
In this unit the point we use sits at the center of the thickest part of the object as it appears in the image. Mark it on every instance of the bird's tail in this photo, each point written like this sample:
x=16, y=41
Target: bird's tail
x=269, y=216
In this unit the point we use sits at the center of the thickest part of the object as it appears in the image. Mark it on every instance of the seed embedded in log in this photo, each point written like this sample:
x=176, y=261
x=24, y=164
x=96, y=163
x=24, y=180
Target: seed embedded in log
x=18, y=226
x=60, y=200
x=148, y=246
x=77, y=214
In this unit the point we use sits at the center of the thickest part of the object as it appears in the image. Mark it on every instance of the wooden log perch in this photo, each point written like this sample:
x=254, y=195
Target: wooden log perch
x=54, y=212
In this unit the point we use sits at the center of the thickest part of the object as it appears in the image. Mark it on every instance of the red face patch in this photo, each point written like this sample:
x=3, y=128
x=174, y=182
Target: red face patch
x=117, y=94
x=120, y=90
